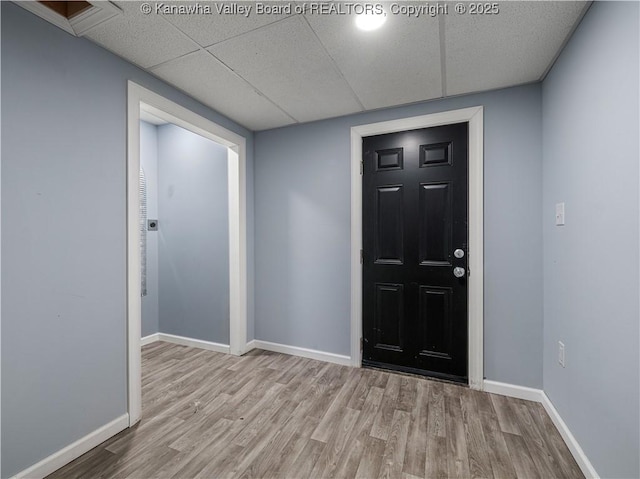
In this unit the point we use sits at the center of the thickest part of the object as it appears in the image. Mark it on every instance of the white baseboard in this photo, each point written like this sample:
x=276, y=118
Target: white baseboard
x=250, y=345
x=64, y=456
x=194, y=343
x=303, y=352
x=253, y=344
x=538, y=395
x=572, y=443
x=152, y=338
x=511, y=390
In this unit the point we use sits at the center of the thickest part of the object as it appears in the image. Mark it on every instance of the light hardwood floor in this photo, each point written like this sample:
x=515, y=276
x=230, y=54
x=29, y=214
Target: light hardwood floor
x=269, y=415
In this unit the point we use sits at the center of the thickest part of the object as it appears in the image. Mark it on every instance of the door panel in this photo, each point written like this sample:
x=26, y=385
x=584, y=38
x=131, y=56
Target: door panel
x=389, y=159
x=414, y=218
x=389, y=317
x=435, y=154
x=434, y=313
x=434, y=213
x=389, y=225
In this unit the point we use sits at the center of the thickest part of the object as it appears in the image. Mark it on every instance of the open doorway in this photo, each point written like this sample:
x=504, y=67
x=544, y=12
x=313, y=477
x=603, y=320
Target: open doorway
x=180, y=122
x=184, y=236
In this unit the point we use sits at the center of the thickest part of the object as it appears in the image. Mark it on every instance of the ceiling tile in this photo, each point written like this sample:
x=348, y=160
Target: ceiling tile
x=396, y=64
x=145, y=40
x=208, y=29
x=204, y=78
x=287, y=63
x=515, y=46
x=275, y=70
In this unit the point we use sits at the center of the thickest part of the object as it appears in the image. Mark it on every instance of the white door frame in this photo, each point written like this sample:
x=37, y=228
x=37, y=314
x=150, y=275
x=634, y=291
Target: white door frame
x=474, y=116
x=139, y=97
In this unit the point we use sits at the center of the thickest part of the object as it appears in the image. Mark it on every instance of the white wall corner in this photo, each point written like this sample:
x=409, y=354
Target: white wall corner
x=251, y=345
x=152, y=338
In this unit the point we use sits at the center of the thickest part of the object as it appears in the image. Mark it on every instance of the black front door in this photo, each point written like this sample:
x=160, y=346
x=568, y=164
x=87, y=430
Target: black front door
x=415, y=251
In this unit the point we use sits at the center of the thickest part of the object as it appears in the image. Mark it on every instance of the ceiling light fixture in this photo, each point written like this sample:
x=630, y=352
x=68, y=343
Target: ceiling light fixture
x=370, y=20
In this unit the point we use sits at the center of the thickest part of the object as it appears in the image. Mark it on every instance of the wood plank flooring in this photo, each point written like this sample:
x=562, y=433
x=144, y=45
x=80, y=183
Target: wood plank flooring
x=268, y=415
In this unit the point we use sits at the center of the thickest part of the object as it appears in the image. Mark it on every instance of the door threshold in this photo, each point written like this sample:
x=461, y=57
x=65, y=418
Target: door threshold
x=408, y=371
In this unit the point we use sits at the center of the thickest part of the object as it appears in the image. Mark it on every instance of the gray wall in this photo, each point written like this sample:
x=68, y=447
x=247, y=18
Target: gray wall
x=302, y=188
x=194, y=235
x=149, y=163
x=63, y=274
x=590, y=118
x=63, y=279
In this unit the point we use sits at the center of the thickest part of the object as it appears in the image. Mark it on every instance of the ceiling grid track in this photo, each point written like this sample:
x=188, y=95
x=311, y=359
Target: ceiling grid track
x=261, y=27
x=220, y=62
x=443, y=55
x=335, y=65
x=263, y=95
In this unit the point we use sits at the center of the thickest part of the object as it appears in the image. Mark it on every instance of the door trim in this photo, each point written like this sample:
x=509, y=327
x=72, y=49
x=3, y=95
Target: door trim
x=474, y=116
x=139, y=97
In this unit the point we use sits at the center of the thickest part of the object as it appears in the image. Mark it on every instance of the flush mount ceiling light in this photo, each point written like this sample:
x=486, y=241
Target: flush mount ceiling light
x=370, y=20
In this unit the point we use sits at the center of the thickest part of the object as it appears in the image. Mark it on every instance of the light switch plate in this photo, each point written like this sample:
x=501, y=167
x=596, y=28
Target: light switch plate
x=559, y=214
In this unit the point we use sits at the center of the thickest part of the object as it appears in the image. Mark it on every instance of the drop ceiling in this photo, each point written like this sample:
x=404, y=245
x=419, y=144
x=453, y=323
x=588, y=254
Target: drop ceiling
x=267, y=71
